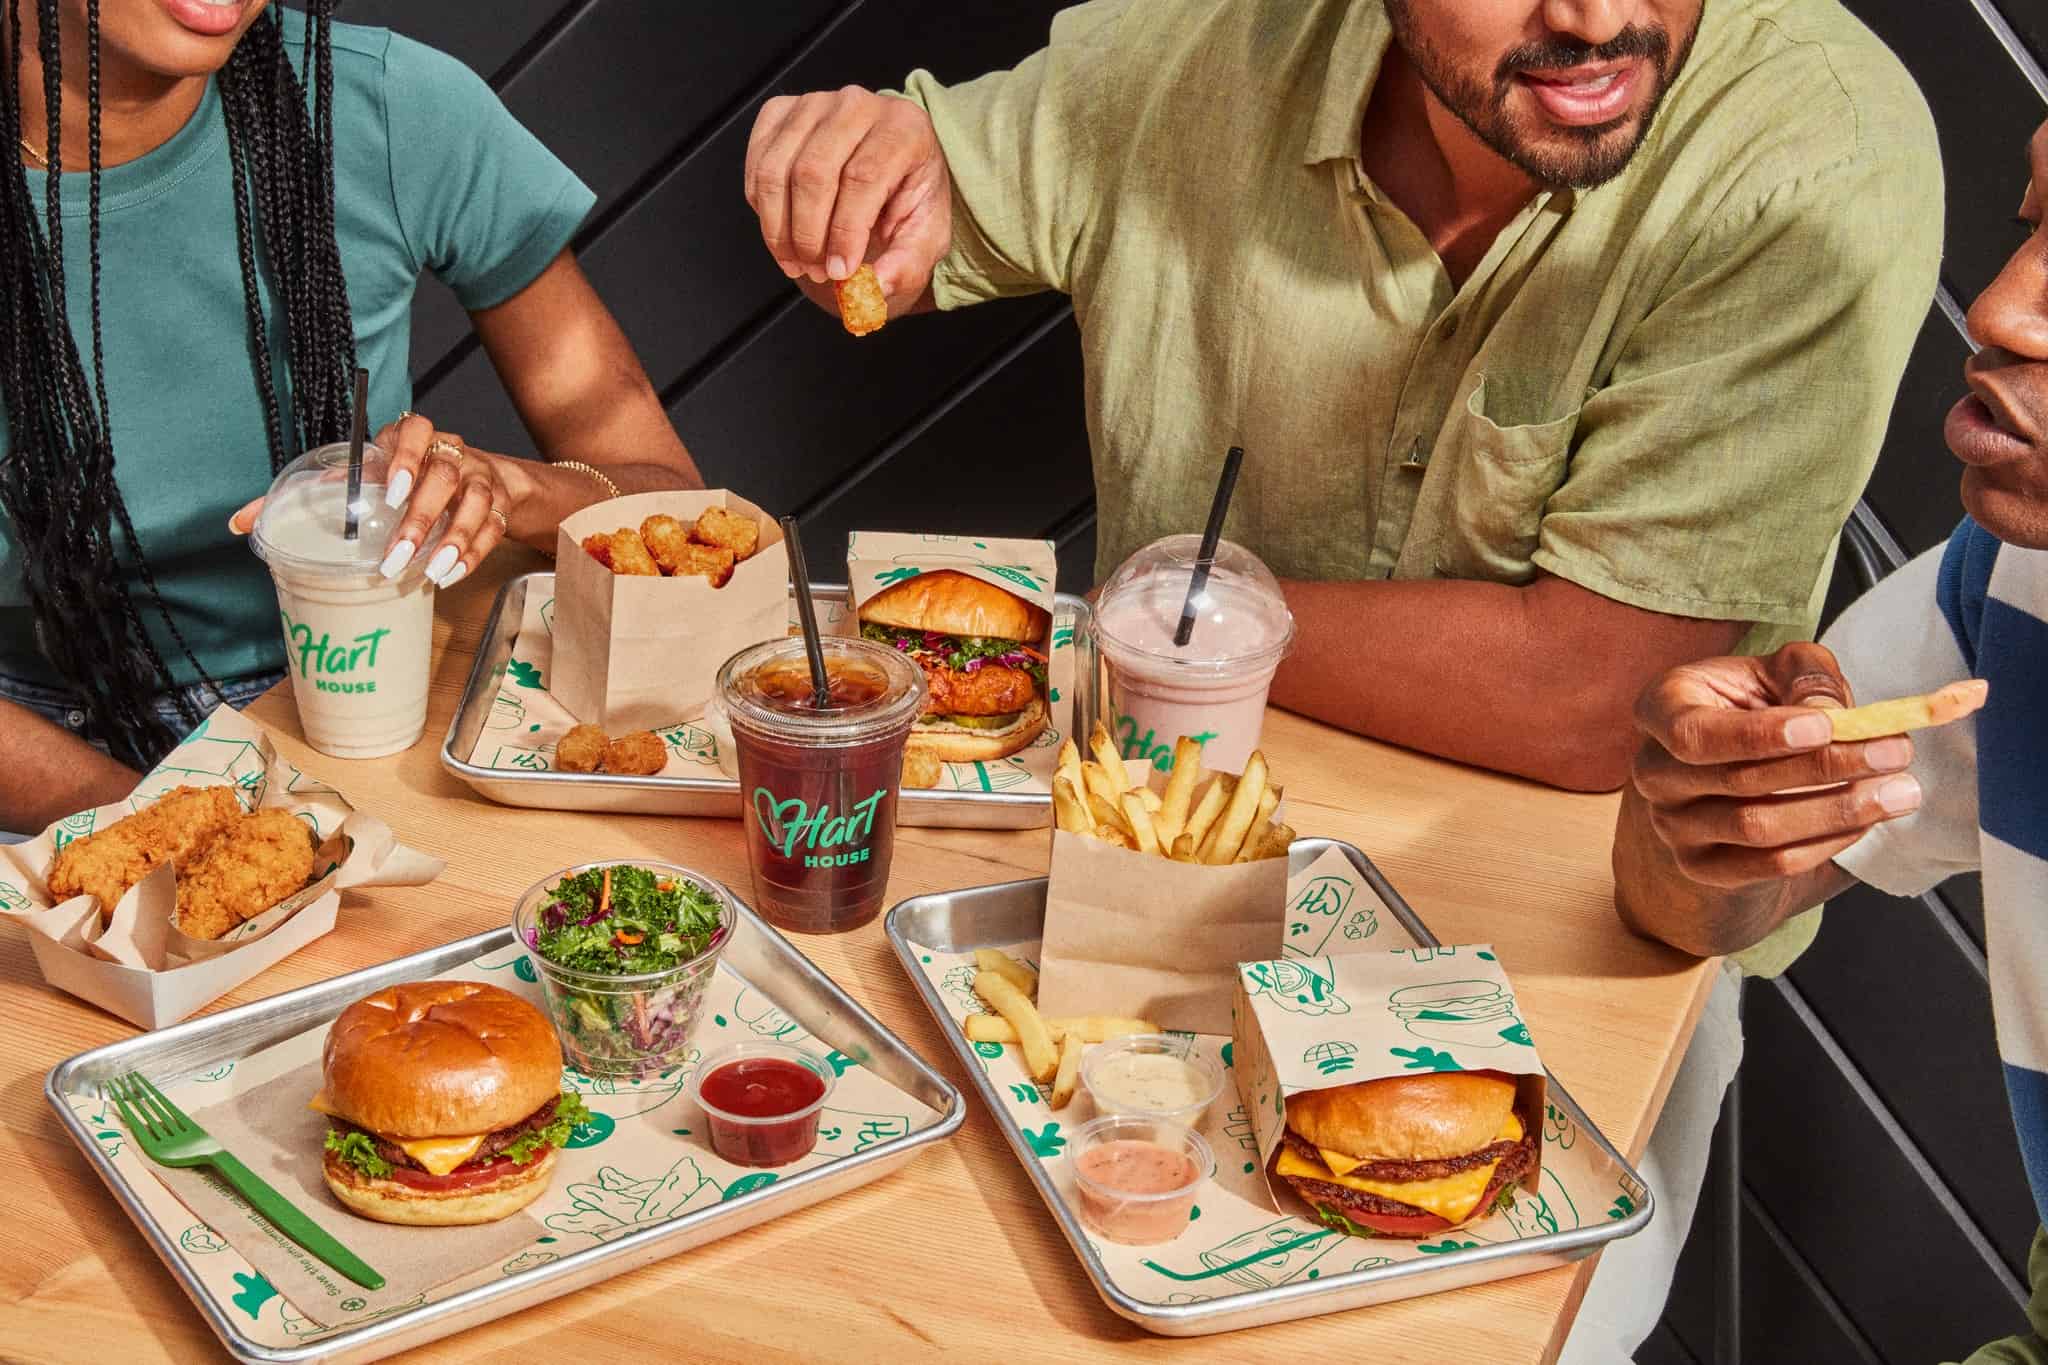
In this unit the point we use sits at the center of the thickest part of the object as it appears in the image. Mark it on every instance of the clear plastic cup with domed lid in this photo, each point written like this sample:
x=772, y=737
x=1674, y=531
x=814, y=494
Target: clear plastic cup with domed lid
x=356, y=643
x=1211, y=689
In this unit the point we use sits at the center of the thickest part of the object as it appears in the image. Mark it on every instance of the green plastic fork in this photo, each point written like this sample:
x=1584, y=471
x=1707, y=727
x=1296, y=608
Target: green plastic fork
x=171, y=1139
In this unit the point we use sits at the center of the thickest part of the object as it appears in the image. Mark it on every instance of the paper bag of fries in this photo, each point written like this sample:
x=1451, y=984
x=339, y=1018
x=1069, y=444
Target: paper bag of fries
x=652, y=593
x=225, y=859
x=1160, y=885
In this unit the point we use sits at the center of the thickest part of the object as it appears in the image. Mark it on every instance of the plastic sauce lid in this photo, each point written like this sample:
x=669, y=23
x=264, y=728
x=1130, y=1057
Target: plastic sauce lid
x=302, y=526
x=1241, y=617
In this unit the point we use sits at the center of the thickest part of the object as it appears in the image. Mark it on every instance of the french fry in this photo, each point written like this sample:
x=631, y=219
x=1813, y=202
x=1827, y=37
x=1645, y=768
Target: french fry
x=1070, y=766
x=1069, y=811
x=1152, y=800
x=1183, y=850
x=1208, y=806
x=1068, y=1075
x=1100, y=783
x=988, y=1028
x=1104, y=749
x=1140, y=821
x=1089, y=1028
x=1226, y=836
x=1262, y=820
x=1107, y=815
x=1116, y=834
x=1900, y=714
x=1279, y=839
x=1041, y=1057
x=1019, y=975
x=1180, y=789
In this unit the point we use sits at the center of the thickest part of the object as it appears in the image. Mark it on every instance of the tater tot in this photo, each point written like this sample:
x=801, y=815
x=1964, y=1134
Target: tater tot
x=711, y=561
x=862, y=308
x=581, y=750
x=629, y=554
x=665, y=537
x=598, y=546
x=727, y=531
x=639, y=754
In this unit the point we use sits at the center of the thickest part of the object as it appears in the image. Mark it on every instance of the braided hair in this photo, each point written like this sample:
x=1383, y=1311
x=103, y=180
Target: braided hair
x=75, y=540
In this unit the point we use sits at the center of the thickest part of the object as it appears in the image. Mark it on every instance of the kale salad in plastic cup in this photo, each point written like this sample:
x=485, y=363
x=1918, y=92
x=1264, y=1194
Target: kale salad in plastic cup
x=625, y=951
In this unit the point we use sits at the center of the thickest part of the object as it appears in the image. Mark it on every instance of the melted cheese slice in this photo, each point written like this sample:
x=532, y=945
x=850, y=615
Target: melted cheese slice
x=437, y=1156
x=1451, y=1198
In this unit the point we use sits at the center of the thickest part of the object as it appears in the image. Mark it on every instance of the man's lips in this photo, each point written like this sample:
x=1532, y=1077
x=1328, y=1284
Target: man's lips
x=1585, y=96
x=204, y=18
x=1977, y=437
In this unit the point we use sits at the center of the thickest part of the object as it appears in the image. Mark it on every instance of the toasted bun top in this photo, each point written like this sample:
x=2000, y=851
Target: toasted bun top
x=954, y=604
x=440, y=1059
x=1406, y=1118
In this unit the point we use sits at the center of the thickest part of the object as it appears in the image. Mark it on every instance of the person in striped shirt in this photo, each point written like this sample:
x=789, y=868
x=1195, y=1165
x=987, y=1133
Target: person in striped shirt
x=1742, y=811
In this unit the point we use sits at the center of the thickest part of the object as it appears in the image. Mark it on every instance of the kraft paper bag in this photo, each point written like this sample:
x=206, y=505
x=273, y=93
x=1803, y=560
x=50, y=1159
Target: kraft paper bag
x=878, y=560
x=1135, y=935
x=135, y=962
x=1315, y=1023
x=637, y=653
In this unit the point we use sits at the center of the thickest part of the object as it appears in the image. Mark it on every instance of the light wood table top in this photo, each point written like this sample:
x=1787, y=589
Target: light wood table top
x=954, y=1254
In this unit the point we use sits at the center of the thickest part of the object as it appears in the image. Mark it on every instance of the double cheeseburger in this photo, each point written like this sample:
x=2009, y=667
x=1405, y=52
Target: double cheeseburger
x=983, y=654
x=444, y=1103
x=1407, y=1156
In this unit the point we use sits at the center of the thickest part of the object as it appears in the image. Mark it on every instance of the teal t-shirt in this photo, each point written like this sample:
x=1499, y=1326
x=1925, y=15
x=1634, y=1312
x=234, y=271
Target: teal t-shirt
x=431, y=173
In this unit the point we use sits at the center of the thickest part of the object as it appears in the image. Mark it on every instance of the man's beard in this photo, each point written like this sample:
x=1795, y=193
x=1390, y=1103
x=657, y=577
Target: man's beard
x=1593, y=155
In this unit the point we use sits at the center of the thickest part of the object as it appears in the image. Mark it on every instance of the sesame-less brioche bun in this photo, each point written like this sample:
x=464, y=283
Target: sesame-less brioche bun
x=392, y=1201
x=952, y=603
x=953, y=744
x=440, y=1059
x=1406, y=1118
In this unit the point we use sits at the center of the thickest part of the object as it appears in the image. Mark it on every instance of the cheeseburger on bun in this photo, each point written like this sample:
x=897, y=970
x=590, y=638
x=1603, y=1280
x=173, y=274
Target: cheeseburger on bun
x=1407, y=1156
x=983, y=654
x=444, y=1102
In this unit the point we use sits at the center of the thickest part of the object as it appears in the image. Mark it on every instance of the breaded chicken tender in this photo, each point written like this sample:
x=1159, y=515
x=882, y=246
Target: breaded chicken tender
x=728, y=531
x=257, y=861
x=709, y=561
x=581, y=750
x=862, y=306
x=106, y=863
x=666, y=538
x=639, y=754
x=598, y=546
x=629, y=554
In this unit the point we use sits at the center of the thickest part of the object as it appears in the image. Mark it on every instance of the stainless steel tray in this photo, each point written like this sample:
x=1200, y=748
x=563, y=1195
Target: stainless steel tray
x=720, y=796
x=759, y=956
x=1013, y=912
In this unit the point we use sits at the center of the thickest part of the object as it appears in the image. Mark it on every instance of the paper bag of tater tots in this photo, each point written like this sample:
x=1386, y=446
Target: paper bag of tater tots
x=652, y=593
x=225, y=859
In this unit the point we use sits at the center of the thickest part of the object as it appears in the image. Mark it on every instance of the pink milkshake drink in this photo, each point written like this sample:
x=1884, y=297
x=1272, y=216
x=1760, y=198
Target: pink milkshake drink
x=1213, y=689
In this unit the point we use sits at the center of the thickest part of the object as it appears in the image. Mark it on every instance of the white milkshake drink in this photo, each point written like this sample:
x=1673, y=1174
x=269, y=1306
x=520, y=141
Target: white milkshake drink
x=357, y=644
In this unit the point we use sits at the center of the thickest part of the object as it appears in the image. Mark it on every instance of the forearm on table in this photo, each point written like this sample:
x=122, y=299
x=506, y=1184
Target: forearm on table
x=51, y=773
x=1538, y=681
x=1656, y=899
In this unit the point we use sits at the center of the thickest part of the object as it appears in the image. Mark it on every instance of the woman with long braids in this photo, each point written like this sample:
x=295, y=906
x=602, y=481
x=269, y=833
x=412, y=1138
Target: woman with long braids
x=212, y=211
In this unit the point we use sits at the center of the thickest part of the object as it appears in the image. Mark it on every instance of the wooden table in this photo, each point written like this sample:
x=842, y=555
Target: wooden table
x=954, y=1254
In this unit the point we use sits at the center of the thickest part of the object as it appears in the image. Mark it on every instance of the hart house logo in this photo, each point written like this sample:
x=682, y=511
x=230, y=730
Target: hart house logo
x=829, y=839
x=334, y=665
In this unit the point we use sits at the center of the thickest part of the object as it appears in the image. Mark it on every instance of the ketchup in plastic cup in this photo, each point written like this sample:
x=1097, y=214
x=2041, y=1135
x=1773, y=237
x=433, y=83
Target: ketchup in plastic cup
x=762, y=1102
x=818, y=784
x=1137, y=1177
x=1213, y=688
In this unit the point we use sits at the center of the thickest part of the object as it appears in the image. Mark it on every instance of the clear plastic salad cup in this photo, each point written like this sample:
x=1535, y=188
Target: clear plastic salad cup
x=624, y=1024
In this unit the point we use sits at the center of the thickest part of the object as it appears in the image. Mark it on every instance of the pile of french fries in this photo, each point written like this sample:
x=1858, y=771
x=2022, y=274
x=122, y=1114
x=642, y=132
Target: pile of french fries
x=1229, y=821
x=1052, y=1047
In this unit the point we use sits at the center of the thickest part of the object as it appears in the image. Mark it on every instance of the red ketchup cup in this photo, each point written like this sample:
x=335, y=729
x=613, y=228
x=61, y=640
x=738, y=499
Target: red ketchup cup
x=762, y=1102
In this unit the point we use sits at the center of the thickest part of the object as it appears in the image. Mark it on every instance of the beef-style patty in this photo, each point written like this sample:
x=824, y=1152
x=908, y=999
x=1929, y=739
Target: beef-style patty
x=492, y=1146
x=1409, y=1170
x=1517, y=1161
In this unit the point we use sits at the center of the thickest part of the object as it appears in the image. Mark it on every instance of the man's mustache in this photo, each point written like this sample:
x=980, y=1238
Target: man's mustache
x=1554, y=54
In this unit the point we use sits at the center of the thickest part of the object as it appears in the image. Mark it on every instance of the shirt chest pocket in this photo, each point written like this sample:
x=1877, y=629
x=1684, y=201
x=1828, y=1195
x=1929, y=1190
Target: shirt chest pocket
x=1484, y=492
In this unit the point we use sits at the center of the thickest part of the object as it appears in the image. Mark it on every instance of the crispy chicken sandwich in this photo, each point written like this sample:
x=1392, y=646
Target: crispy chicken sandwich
x=983, y=651
x=444, y=1102
x=1407, y=1156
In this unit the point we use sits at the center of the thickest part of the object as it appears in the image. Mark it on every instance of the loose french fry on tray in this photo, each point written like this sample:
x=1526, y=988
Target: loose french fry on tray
x=1040, y=1054
x=1180, y=789
x=1069, y=811
x=1104, y=749
x=1089, y=1028
x=1900, y=714
x=1068, y=1074
x=1019, y=975
x=1140, y=821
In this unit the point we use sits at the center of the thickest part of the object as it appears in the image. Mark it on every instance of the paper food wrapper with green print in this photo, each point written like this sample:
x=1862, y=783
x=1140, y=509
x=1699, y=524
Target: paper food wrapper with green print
x=139, y=964
x=632, y=652
x=877, y=561
x=1312, y=1023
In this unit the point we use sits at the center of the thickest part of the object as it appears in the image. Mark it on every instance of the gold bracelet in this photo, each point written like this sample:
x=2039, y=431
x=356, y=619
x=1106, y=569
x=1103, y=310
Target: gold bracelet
x=611, y=490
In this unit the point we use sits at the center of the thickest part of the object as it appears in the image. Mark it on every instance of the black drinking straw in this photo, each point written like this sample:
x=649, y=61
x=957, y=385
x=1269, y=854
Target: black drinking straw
x=1225, y=486
x=355, y=453
x=807, y=613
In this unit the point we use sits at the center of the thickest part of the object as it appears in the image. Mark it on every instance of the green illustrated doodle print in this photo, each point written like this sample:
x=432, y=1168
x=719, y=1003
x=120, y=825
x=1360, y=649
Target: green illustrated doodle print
x=600, y=1127
x=524, y=674
x=989, y=1050
x=959, y=983
x=1331, y=1057
x=1307, y=986
x=527, y=1260
x=1062, y=636
x=1559, y=1129
x=73, y=827
x=254, y=1293
x=523, y=969
x=691, y=742
x=1426, y=1059
x=1026, y=1094
x=1447, y=1244
x=747, y=1184
x=763, y=1018
x=616, y=1202
x=840, y=1062
x=1019, y=575
x=1258, y=1259
x=1046, y=1141
x=842, y=1132
x=198, y=1240
x=547, y=616
x=1468, y=1013
x=507, y=713
x=1623, y=1206
x=1237, y=1124
x=14, y=898
x=896, y=575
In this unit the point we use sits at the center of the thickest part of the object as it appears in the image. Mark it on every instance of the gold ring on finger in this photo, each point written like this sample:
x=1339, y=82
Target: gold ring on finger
x=407, y=413
x=446, y=448
x=504, y=522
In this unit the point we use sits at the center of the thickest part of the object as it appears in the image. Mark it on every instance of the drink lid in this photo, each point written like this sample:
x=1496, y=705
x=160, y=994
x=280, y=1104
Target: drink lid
x=749, y=703
x=303, y=522
x=1241, y=618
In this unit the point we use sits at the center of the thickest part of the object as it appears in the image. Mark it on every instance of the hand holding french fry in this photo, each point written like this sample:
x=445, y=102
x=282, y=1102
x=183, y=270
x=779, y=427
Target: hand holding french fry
x=1223, y=820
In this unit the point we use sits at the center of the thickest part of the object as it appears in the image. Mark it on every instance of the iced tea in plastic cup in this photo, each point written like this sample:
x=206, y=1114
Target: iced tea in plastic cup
x=818, y=784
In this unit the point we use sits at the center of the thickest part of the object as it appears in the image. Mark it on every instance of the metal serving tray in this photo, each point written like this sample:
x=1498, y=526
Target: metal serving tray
x=720, y=796
x=759, y=956
x=1014, y=912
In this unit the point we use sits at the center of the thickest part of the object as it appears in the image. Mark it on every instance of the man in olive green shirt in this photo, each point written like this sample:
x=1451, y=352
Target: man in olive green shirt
x=1524, y=399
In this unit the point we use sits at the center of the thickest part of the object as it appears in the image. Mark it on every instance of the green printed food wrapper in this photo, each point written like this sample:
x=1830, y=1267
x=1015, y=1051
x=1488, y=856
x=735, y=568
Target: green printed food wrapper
x=138, y=964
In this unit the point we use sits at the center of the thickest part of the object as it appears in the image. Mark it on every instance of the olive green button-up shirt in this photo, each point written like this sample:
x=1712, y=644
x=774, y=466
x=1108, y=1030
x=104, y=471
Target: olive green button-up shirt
x=1669, y=389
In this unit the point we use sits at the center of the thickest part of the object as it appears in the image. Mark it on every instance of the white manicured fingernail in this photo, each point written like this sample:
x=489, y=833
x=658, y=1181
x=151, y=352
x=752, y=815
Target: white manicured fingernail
x=443, y=560
x=461, y=572
x=401, y=484
x=395, y=562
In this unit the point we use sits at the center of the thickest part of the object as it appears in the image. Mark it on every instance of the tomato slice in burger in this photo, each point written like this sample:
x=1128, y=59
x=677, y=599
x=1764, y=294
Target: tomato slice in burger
x=459, y=1178
x=1398, y=1224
